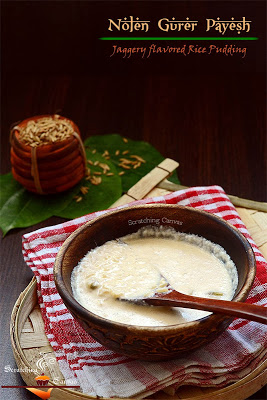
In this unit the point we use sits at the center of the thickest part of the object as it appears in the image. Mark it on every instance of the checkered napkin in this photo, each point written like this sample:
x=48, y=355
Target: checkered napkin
x=101, y=372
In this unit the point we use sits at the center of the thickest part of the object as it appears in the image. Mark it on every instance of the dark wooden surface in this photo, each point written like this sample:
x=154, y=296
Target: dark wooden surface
x=206, y=113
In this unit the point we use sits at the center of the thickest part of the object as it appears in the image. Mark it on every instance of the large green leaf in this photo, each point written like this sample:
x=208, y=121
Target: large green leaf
x=20, y=208
x=114, y=143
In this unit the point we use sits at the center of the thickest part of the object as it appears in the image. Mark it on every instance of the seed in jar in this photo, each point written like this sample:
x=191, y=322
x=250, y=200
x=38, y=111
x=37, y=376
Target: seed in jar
x=45, y=130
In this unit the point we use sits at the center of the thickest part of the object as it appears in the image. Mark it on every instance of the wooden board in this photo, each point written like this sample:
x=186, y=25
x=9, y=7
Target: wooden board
x=32, y=350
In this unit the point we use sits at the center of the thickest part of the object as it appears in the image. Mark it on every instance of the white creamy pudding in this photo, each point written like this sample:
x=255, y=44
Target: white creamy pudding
x=141, y=264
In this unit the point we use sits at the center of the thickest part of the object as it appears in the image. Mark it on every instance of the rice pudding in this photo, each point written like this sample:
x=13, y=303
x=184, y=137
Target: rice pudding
x=142, y=263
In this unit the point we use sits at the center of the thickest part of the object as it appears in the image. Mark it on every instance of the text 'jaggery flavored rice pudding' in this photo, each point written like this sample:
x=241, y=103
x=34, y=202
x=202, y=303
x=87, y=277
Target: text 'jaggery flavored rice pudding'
x=143, y=263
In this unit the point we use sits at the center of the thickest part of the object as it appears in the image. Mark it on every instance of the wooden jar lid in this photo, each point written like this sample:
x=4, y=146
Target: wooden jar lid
x=47, y=168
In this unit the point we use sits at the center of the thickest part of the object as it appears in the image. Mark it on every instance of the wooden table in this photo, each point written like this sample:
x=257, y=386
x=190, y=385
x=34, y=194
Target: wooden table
x=208, y=114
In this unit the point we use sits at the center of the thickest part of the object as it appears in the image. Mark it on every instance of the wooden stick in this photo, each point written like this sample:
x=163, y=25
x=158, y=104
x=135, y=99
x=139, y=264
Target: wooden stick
x=237, y=201
x=148, y=182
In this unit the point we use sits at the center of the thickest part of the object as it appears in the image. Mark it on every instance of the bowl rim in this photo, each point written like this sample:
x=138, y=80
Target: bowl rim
x=69, y=300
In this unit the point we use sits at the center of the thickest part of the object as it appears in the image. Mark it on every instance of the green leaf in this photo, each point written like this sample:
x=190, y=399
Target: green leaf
x=114, y=143
x=20, y=208
x=99, y=197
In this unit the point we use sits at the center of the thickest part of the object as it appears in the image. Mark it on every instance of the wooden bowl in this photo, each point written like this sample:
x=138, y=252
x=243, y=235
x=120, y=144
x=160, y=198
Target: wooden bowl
x=153, y=343
x=50, y=168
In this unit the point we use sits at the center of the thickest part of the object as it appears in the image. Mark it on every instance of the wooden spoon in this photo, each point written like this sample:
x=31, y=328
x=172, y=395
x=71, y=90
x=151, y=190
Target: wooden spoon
x=235, y=309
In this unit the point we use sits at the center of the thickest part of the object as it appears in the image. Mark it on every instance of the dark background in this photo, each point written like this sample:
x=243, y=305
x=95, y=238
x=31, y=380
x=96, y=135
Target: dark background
x=207, y=112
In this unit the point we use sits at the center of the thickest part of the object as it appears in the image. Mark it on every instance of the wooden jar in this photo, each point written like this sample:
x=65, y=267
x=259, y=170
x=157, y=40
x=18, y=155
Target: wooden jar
x=48, y=168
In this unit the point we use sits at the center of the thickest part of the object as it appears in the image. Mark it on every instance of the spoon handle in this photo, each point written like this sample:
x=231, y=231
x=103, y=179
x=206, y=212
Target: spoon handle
x=235, y=309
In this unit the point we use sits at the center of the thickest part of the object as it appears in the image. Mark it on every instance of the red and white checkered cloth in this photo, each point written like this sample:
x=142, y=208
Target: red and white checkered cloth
x=99, y=371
